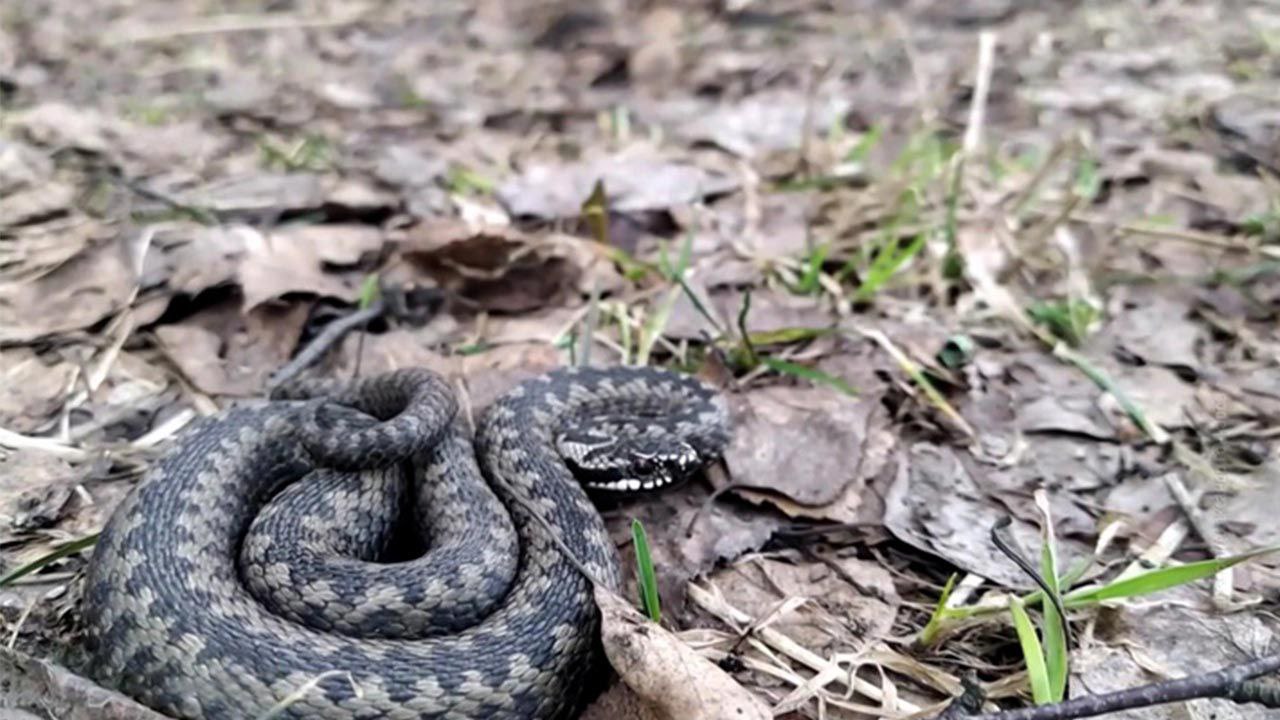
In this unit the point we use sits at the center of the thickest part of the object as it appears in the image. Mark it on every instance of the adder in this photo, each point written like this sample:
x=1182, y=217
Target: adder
x=257, y=556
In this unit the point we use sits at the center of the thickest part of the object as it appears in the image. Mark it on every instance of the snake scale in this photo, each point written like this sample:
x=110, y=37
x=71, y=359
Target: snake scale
x=259, y=553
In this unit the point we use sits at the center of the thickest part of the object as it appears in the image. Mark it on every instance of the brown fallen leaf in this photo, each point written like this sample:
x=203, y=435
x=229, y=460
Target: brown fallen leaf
x=1177, y=636
x=190, y=258
x=767, y=122
x=22, y=166
x=655, y=62
x=690, y=533
x=225, y=353
x=82, y=291
x=620, y=702
x=495, y=268
x=294, y=260
x=35, y=488
x=850, y=604
x=666, y=673
x=35, y=204
x=937, y=506
x=258, y=193
x=632, y=184
x=483, y=375
x=802, y=443
x=60, y=124
x=32, y=386
x=1158, y=331
x=34, y=250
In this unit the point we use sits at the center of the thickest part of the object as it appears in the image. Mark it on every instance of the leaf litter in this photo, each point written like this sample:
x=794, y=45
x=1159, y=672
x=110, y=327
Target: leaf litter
x=171, y=237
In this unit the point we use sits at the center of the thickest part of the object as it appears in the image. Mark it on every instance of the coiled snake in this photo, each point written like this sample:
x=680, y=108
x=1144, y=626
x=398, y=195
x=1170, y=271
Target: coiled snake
x=254, y=557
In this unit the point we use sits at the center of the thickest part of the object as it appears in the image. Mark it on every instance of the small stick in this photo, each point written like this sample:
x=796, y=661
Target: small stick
x=320, y=344
x=981, y=89
x=1232, y=682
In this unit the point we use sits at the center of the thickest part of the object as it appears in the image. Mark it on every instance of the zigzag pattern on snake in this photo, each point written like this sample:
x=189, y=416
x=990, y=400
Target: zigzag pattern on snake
x=253, y=558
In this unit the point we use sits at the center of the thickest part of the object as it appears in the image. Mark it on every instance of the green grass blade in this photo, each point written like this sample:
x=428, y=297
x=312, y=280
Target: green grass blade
x=62, y=551
x=808, y=283
x=369, y=290
x=934, y=626
x=1032, y=653
x=859, y=152
x=644, y=567
x=595, y=213
x=1055, y=635
x=656, y=325
x=624, y=330
x=805, y=372
x=1159, y=579
x=887, y=263
x=787, y=336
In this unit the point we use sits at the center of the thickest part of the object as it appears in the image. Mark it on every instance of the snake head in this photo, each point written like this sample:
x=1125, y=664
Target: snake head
x=627, y=463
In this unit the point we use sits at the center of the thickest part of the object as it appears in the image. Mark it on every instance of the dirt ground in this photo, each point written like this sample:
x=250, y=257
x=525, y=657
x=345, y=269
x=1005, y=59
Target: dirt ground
x=951, y=263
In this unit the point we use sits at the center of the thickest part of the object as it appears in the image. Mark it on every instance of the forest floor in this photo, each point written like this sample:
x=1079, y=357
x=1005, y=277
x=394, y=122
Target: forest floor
x=951, y=263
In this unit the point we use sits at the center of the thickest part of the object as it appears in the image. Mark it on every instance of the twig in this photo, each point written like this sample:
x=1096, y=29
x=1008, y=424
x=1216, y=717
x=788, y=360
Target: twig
x=981, y=88
x=320, y=344
x=234, y=23
x=196, y=213
x=1231, y=683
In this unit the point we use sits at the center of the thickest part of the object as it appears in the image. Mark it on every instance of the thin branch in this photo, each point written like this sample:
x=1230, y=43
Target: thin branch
x=1235, y=682
x=320, y=344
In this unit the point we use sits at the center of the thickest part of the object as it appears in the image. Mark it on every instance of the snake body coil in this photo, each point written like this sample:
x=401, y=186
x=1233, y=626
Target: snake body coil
x=252, y=560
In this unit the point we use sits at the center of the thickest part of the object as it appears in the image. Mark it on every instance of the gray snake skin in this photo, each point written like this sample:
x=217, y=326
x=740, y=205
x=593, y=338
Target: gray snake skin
x=259, y=552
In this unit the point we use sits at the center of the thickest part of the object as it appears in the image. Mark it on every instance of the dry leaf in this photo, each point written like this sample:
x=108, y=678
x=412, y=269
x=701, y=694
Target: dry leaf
x=87, y=288
x=666, y=673
x=294, y=259
x=805, y=444
x=497, y=269
x=767, y=122
x=224, y=353
x=631, y=184
x=849, y=604
x=32, y=387
x=937, y=506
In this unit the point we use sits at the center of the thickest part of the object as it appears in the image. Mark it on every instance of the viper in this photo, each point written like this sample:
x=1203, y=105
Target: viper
x=263, y=556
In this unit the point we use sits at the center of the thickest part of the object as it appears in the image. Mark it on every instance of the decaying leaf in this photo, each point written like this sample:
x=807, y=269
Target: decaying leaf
x=31, y=387
x=804, y=444
x=189, y=259
x=34, y=490
x=302, y=259
x=937, y=505
x=82, y=291
x=620, y=702
x=225, y=353
x=676, y=681
x=493, y=268
x=631, y=183
x=22, y=166
x=842, y=605
x=259, y=193
x=690, y=532
x=767, y=122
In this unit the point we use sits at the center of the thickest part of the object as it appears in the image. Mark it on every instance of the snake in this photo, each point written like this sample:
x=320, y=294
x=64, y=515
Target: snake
x=361, y=549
